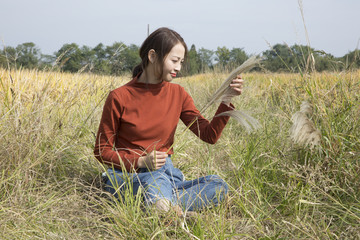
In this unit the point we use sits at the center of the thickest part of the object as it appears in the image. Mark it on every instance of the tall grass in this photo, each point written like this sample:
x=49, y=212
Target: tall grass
x=50, y=184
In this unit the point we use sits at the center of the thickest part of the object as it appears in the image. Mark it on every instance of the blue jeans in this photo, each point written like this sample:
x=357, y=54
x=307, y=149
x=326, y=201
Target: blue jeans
x=168, y=182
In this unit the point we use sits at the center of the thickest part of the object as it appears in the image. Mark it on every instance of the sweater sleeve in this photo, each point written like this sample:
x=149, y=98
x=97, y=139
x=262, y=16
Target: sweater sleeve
x=105, y=146
x=208, y=131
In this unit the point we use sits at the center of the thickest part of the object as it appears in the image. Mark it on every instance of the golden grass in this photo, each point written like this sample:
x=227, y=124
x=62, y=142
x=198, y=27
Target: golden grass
x=50, y=183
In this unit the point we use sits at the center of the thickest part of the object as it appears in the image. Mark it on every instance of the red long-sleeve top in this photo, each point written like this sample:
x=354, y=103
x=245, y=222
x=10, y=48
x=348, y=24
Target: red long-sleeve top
x=138, y=118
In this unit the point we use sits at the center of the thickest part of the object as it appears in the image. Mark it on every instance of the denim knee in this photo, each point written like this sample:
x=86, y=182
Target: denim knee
x=220, y=186
x=156, y=186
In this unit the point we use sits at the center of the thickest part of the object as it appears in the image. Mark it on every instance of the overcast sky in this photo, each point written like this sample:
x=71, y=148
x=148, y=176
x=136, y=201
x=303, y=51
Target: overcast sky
x=332, y=25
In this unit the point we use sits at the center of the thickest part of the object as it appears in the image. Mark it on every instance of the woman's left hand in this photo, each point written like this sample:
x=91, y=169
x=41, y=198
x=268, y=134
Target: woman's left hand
x=235, y=89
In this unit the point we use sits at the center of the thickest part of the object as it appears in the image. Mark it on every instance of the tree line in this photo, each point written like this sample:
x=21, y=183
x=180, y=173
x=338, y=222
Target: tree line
x=120, y=58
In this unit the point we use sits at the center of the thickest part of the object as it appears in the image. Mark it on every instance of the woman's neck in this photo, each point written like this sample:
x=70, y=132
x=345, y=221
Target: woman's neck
x=148, y=76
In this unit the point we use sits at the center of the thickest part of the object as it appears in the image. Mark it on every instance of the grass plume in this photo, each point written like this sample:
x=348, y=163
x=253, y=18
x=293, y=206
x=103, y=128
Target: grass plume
x=247, y=65
x=303, y=130
x=244, y=119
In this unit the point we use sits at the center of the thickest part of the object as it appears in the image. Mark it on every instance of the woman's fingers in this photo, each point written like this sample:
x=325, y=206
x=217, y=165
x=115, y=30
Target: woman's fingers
x=161, y=155
x=158, y=159
x=237, y=85
x=238, y=91
x=237, y=82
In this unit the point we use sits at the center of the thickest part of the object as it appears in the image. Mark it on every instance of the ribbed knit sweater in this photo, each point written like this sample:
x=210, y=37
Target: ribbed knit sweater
x=138, y=118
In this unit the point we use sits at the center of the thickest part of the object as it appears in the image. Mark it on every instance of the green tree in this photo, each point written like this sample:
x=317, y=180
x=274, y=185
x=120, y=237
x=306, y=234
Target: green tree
x=222, y=56
x=115, y=58
x=277, y=58
x=131, y=57
x=25, y=55
x=3, y=60
x=298, y=58
x=192, y=64
x=351, y=60
x=206, y=59
x=28, y=55
x=47, y=62
x=325, y=62
x=8, y=57
x=122, y=58
x=70, y=58
x=88, y=59
x=301, y=58
x=101, y=64
x=237, y=57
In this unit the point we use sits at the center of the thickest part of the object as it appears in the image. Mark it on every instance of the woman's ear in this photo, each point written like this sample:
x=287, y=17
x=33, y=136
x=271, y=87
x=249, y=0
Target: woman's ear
x=152, y=55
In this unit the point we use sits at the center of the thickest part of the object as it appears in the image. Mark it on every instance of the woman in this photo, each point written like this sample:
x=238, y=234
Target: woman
x=138, y=125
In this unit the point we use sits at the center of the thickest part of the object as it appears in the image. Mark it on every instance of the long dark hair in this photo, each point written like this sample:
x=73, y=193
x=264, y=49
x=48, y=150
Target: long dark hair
x=162, y=41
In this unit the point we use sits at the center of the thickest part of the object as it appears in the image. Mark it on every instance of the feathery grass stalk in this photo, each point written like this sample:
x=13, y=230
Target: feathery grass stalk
x=244, y=119
x=303, y=130
x=247, y=65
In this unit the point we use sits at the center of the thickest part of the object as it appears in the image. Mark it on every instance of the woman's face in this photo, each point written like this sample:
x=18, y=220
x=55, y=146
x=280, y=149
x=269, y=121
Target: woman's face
x=172, y=62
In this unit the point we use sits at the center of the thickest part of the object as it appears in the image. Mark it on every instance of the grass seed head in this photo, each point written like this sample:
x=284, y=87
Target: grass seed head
x=303, y=130
x=247, y=121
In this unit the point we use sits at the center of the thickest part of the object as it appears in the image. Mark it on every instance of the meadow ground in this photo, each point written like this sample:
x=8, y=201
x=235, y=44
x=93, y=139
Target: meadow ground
x=50, y=184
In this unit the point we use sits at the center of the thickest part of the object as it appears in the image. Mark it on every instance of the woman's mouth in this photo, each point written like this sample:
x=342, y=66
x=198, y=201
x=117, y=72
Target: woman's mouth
x=173, y=75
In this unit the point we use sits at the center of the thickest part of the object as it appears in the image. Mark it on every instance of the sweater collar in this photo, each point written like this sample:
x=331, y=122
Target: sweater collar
x=134, y=82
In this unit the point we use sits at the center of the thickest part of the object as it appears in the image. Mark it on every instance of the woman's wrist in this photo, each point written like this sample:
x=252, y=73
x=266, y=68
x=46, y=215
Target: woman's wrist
x=227, y=103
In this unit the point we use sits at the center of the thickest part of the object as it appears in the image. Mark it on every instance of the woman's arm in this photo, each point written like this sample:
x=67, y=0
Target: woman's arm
x=211, y=131
x=105, y=150
x=208, y=131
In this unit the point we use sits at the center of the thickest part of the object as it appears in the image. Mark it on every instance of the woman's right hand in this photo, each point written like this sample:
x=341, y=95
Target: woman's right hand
x=153, y=161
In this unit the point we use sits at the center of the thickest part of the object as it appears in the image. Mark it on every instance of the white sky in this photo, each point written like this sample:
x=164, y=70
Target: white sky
x=332, y=25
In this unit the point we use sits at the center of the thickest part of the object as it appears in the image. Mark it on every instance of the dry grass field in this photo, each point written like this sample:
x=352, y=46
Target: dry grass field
x=50, y=184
